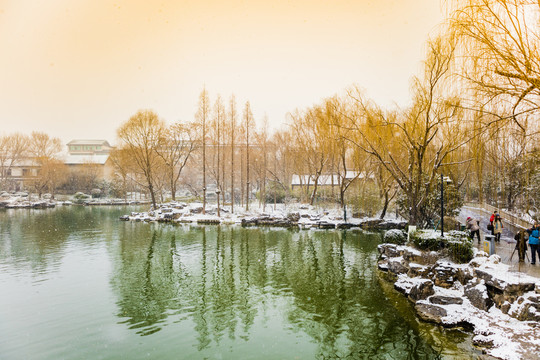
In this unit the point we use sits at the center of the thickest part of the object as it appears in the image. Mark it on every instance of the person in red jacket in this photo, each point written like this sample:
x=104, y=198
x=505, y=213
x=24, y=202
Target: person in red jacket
x=491, y=219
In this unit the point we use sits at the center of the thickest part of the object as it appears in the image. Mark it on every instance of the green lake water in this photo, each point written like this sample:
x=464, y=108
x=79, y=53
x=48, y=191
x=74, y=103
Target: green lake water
x=77, y=283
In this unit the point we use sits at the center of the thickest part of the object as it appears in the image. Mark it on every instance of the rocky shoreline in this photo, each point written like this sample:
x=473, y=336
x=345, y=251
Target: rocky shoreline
x=291, y=216
x=501, y=308
x=26, y=203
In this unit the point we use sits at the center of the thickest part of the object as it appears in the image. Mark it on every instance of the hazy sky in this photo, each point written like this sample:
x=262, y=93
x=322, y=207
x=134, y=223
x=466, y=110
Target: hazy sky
x=79, y=68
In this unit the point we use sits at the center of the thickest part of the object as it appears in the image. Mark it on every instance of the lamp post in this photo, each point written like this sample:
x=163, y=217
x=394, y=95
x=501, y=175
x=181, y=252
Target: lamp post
x=443, y=180
x=218, y=191
x=442, y=207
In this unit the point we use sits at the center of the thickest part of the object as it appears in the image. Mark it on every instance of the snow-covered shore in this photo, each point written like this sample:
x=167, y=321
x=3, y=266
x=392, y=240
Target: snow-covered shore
x=24, y=201
x=290, y=215
x=502, y=308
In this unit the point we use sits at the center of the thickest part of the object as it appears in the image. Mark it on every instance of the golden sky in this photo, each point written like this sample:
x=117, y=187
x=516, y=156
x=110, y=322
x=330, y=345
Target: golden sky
x=79, y=68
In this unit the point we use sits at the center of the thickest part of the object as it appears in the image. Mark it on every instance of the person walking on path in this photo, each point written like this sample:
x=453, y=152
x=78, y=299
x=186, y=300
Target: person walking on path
x=497, y=227
x=474, y=226
x=491, y=219
x=534, y=234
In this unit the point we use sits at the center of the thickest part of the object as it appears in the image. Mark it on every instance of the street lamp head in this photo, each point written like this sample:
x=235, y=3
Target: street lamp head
x=447, y=179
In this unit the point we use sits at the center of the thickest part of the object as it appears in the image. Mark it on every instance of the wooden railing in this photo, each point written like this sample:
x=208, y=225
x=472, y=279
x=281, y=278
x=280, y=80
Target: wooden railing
x=506, y=216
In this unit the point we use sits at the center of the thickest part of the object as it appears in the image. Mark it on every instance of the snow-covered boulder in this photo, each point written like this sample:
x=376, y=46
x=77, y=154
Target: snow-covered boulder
x=422, y=289
x=445, y=300
x=398, y=265
x=478, y=295
x=444, y=274
x=431, y=313
x=526, y=307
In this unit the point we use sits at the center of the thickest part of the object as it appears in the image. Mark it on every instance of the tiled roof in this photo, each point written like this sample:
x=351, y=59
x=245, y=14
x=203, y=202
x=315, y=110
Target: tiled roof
x=88, y=142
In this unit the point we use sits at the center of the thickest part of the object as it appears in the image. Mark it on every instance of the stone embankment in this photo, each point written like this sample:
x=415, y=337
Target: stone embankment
x=500, y=307
x=292, y=216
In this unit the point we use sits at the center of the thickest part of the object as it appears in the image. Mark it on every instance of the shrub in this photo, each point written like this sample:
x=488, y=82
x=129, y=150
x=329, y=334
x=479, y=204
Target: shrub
x=460, y=246
x=427, y=240
x=80, y=197
x=457, y=243
x=458, y=235
x=461, y=251
x=395, y=236
x=96, y=193
x=274, y=192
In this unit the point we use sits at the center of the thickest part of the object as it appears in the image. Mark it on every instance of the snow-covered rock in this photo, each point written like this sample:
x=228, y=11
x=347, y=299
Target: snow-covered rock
x=478, y=295
x=500, y=307
x=293, y=215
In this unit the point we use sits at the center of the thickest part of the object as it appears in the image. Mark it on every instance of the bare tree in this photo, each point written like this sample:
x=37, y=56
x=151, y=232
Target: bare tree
x=232, y=128
x=311, y=131
x=202, y=118
x=51, y=174
x=261, y=161
x=42, y=146
x=177, y=145
x=248, y=128
x=283, y=155
x=43, y=149
x=124, y=170
x=12, y=149
x=422, y=138
x=141, y=136
x=219, y=117
x=500, y=48
x=340, y=148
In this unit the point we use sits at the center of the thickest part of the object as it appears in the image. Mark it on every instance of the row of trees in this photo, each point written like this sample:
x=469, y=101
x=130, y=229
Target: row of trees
x=499, y=72
x=38, y=151
x=473, y=117
x=154, y=155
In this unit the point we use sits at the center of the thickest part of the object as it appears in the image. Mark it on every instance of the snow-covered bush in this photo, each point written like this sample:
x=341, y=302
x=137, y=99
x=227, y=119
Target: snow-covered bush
x=96, y=193
x=426, y=240
x=457, y=243
x=395, y=236
x=80, y=197
x=461, y=250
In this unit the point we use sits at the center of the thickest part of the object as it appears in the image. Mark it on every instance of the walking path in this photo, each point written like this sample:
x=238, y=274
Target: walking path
x=506, y=246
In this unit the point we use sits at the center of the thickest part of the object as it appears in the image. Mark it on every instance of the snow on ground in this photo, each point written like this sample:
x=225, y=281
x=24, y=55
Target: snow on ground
x=304, y=216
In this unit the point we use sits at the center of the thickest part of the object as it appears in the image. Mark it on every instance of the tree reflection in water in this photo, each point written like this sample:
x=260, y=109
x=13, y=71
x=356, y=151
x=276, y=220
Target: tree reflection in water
x=222, y=280
x=37, y=239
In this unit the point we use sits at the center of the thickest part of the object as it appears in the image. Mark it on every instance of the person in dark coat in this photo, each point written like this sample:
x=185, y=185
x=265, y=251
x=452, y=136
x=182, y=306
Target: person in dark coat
x=521, y=244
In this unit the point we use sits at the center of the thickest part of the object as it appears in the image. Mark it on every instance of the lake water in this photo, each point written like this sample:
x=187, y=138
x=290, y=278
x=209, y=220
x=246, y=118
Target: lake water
x=77, y=283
